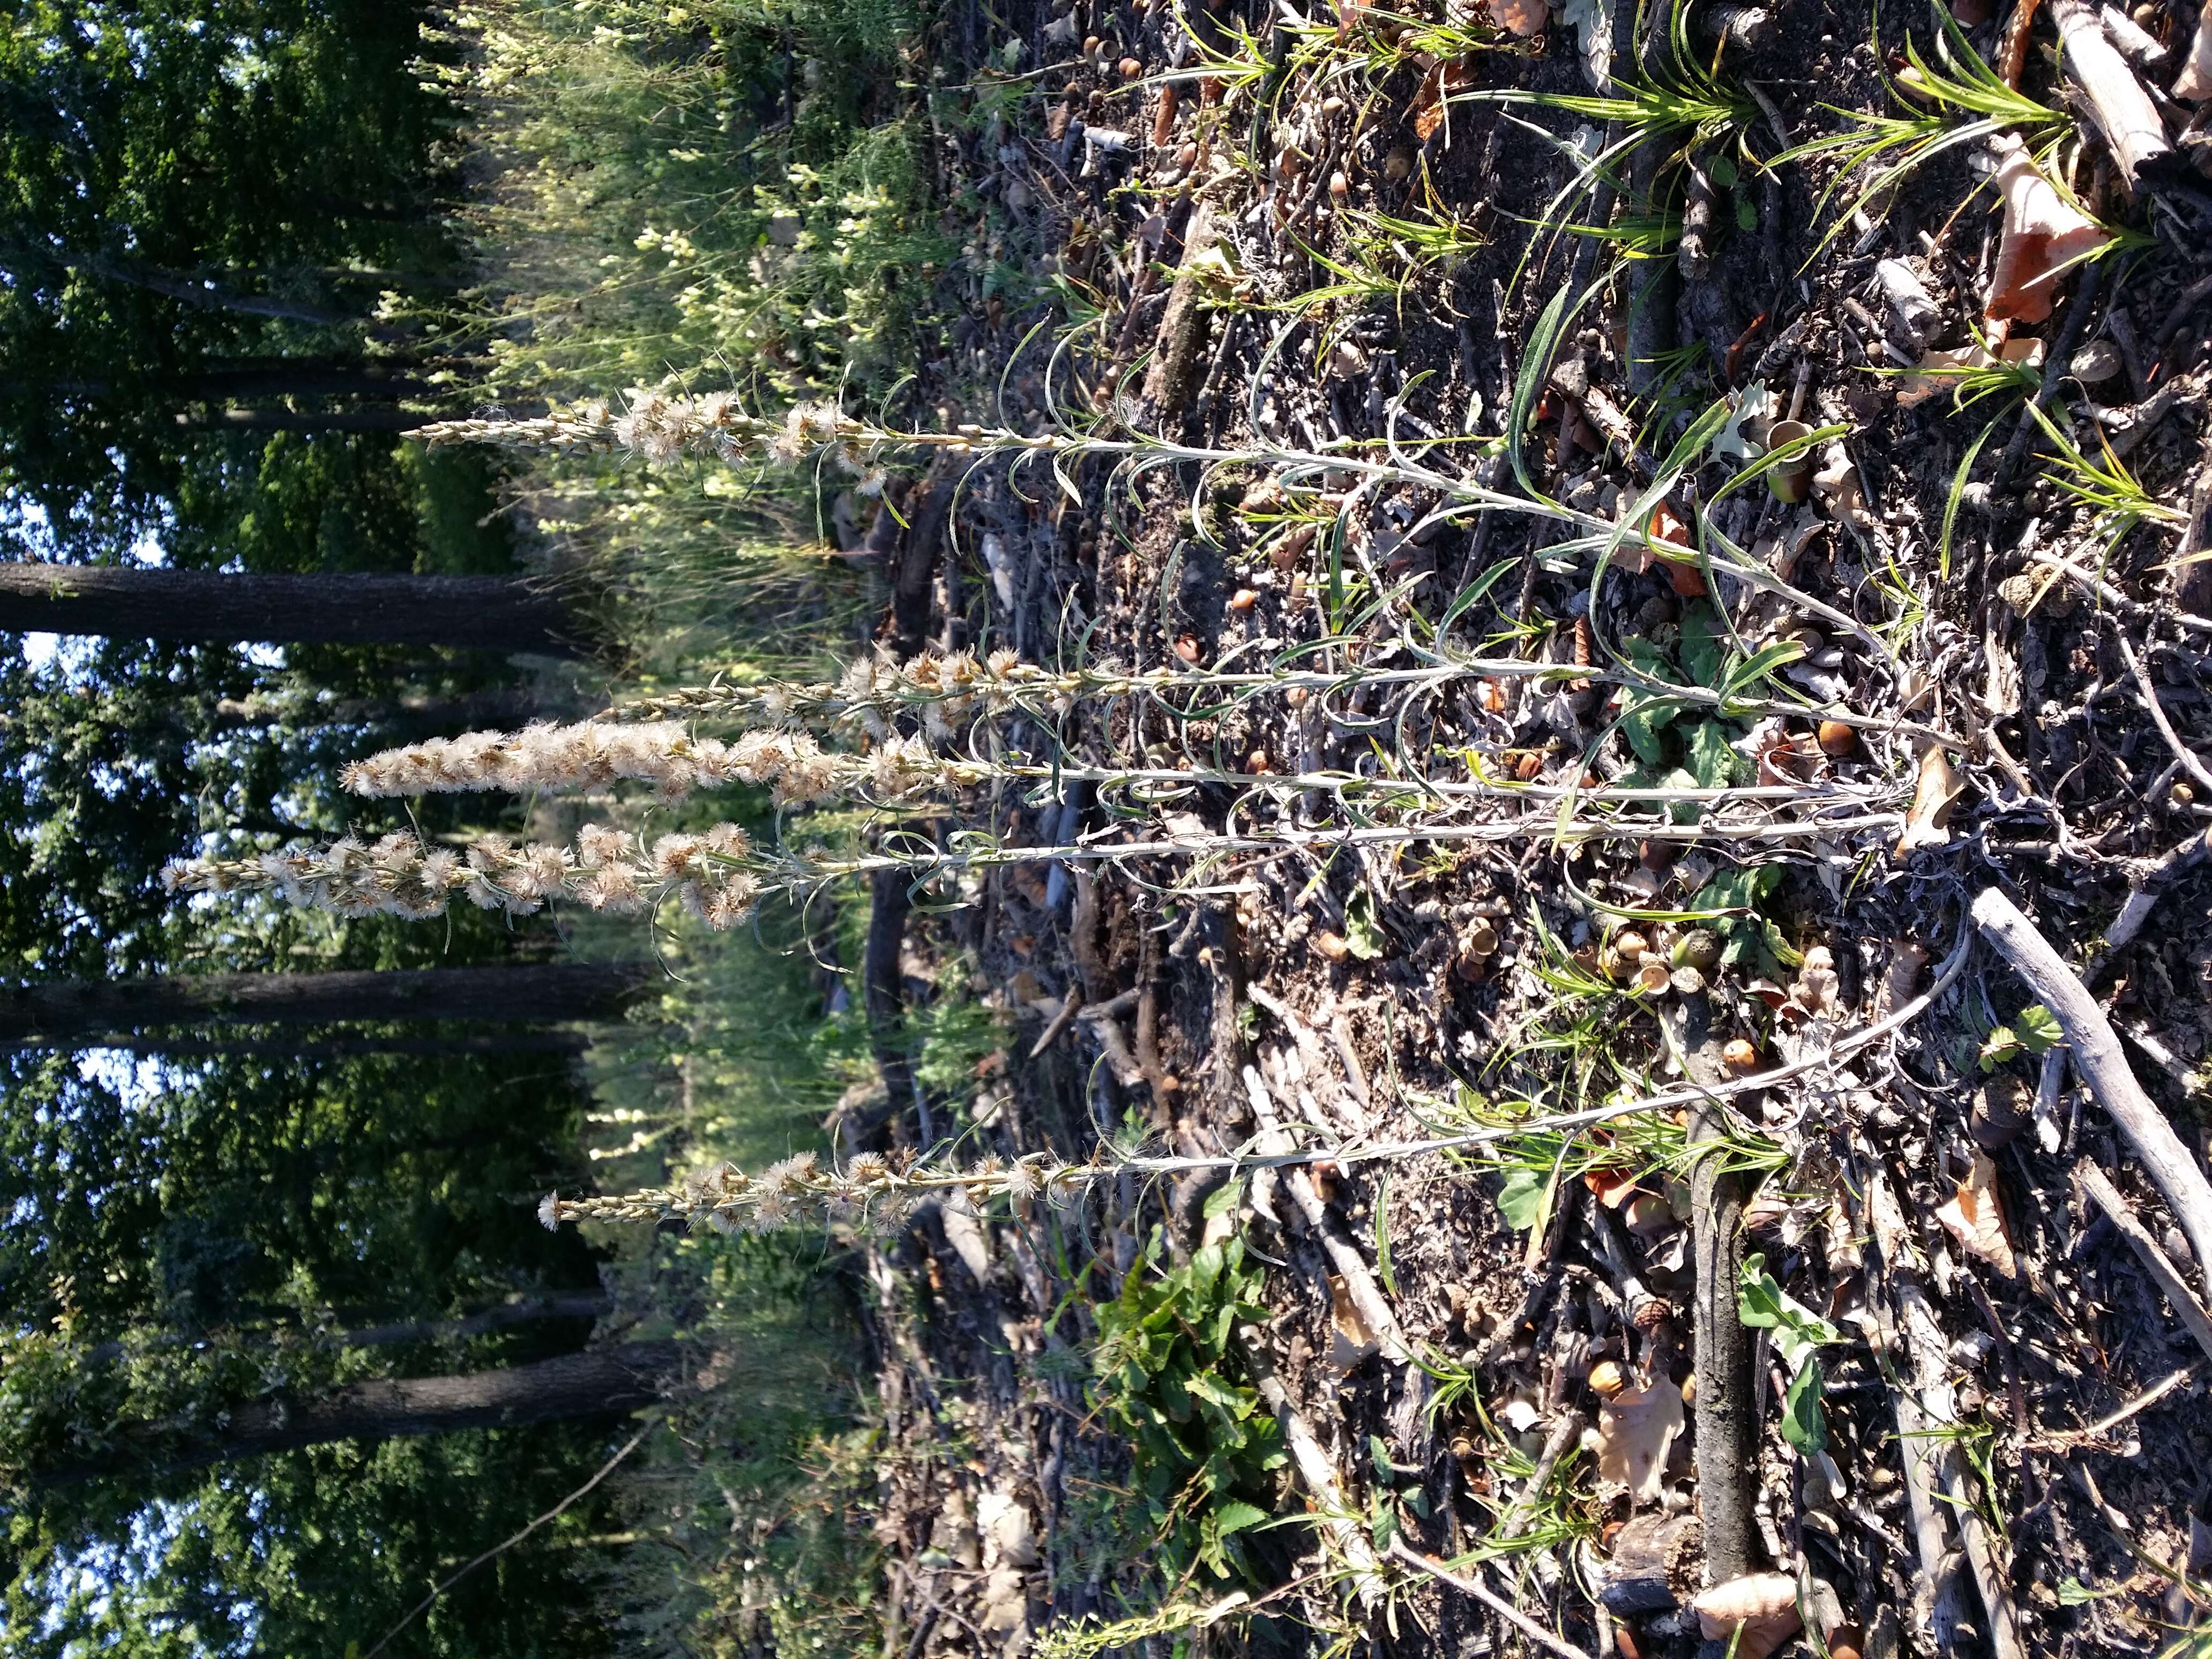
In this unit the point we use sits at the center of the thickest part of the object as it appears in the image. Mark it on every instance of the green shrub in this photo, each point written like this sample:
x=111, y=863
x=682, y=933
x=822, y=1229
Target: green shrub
x=1170, y=1378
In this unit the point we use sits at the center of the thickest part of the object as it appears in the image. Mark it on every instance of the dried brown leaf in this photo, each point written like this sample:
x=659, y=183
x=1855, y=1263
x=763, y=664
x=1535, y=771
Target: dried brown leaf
x=2043, y=236
x=1351, y=1339
x=1637, y=1429
x=1927, y=824
x=1976, y=1218
x=1761, y=1606
x=1523, y=18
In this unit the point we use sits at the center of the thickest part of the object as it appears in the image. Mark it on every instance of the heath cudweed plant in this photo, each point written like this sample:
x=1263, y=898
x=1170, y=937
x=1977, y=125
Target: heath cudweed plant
x=607, y=870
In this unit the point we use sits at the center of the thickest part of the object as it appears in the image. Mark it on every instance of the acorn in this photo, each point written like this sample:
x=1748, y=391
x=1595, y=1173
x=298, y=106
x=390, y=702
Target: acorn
x=1256, y=763
x=1700, y=948
x=1332, y=946
x=1340, y=187
x=1629, y=946
x=1131, y=69
x=1242, y=599
x=1399, y=166
x=1740, y=1057
x=1838, y=739
x=1690, y=1389
x=1607, y=1379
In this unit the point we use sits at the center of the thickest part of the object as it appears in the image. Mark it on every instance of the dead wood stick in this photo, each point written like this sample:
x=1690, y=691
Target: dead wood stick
x=1343, y=1254
x=1182, y=327
x=2091, y=583
x=1102, y=1018
x=1070, y=1006
x=2182, y=752
x=1401, y=1551
x=2098, y=1061
x=1566, y=1433
x=2143, y=890
x=2109, y=1199
x=1314, y=1470
x=2117, y=103
x=1926, y=1406
x=2192, y=586
x=1727, y=1427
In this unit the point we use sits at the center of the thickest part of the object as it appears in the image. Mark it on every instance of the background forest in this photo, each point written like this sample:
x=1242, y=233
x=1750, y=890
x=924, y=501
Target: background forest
x=970, y=831
x=251, y=1157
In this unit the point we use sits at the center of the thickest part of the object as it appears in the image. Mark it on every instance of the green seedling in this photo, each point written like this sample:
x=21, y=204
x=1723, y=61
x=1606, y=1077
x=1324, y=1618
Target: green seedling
x=2034, y=1032
x=1883, y=150
x=2116, y=499
x=1798, y=1334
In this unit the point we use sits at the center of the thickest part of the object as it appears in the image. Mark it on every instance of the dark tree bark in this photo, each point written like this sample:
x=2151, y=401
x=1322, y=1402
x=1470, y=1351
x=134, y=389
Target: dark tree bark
x=597, y=1383
x=74, y=1010
x=308, y=420
x=567, y=1043
x=500, y=706
x=883, y=995
x=488, y=613
x=575, y=1304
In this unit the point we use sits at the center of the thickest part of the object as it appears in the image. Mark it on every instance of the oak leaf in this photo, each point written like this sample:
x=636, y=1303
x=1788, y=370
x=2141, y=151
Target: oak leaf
x=1637, y=1429
x=1976, y=1218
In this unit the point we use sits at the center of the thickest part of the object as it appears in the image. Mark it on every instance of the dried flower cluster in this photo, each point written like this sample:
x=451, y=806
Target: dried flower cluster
x=400, y=876
x=593, y=753
x=947, y=690
x=665, y=430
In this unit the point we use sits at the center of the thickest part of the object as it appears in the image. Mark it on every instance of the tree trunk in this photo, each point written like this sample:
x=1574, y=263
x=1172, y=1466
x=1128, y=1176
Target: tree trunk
x=208, y=298
x=599, y=1382
x=221, y=379
x=307, y=420
x=499, y=706
x=488, y=613
x=573, y=1305
x=67, y=1010
x=569, y=1044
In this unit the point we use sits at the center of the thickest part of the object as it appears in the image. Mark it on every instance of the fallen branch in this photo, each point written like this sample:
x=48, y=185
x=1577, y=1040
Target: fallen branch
x=1726, y=1430
x=1927, y=1410
x=2109, y=1199
x=1314, y=1470
x=1401, y=1551
x=2098, y=1062
x=2143, y=890
x=1343, y=1254
x=2123, y=111
x=1182, y=330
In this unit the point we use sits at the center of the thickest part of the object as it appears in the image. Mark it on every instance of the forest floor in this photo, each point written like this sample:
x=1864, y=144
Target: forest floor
x=1963, y=1417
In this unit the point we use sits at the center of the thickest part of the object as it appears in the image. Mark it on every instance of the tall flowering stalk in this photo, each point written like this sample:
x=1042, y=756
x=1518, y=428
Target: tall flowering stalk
x=593, y=753
x=606, y=871
x=880, y=1191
